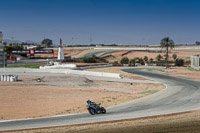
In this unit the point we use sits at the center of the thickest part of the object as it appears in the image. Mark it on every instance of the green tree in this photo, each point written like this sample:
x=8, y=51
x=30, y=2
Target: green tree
x=159, y=57
x=124, y=60
x=179, y=62
x=8, y=49
x=47, y=42
x=167, y=43
x=174, y=56
x=145, y=58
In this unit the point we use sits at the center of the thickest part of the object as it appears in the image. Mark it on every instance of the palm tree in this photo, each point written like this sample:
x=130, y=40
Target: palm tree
x=151, y=60
x=167, y=43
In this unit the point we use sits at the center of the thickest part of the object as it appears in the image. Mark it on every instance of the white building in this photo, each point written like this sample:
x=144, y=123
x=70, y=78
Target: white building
x=195, y=62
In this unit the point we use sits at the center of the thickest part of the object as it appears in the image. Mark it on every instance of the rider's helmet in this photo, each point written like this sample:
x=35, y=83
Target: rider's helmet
x=88, y=101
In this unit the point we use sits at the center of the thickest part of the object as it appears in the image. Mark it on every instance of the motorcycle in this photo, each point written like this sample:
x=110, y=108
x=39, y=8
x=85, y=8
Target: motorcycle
x=94, y=108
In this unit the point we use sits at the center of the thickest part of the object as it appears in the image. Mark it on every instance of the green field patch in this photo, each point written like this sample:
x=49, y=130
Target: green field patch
x=26, y=66
x=191, y=69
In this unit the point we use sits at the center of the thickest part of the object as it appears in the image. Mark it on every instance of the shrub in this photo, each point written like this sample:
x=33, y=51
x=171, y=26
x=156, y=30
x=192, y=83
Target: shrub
x=115, y=62
x=89, y=60
x=174, y=56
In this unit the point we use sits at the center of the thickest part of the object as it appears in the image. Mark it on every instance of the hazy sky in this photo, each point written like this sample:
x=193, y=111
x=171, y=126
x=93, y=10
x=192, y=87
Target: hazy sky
x=105, y=21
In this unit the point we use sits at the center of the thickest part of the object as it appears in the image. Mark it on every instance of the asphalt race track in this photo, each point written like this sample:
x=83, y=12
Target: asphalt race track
x=180, y=95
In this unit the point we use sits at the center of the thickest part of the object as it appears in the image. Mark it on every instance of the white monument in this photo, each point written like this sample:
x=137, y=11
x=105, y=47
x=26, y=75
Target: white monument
x=60, y=51
x=195, y=62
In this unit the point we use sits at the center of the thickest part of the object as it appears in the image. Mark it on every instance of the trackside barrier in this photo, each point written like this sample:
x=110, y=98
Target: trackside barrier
x=9, y=78
x=79, y=72
x=59, y=66
x=99, y=66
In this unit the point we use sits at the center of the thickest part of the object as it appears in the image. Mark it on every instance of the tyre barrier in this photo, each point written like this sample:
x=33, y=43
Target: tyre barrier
x=9, y=78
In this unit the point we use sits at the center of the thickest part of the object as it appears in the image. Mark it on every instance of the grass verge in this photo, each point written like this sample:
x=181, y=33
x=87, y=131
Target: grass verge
x=191, y=69
x=155, y=70
x=36, y=66
x=144, y=92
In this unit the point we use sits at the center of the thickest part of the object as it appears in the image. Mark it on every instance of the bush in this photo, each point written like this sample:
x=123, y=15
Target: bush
x=174, y=56
x=89, y=60
x=124, y=60
x=179, y=62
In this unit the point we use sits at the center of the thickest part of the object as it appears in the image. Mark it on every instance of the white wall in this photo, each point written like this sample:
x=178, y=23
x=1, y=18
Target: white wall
x=79, y=72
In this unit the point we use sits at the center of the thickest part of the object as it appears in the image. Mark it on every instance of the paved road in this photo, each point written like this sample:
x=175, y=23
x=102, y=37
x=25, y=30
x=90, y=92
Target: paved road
x=181, y=95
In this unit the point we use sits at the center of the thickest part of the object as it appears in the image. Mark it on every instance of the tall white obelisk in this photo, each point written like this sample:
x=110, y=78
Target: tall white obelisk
x=60, y=51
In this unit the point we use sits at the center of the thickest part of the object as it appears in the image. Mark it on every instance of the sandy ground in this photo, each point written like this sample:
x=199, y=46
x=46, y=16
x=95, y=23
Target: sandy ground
x=57, y=95
x=188, y=122
x=182, y=72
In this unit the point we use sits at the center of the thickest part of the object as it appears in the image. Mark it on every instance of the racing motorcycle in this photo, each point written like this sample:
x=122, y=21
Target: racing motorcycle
x=94, y=108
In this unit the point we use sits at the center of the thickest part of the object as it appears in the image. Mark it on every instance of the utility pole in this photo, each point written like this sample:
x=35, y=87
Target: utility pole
x=12, y=38
x=72, y=41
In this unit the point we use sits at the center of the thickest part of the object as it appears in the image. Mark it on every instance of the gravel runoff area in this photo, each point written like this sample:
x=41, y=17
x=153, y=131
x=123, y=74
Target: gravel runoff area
x=44, y=94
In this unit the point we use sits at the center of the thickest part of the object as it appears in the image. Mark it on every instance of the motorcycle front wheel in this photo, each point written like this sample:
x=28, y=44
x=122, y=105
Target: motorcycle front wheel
x=103, y=110
x=91, y=111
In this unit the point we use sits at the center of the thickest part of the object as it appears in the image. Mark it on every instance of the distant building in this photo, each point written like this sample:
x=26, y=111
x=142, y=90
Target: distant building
x=29, y=46
x=99, y=45
x=195, y=62
x=3, y=59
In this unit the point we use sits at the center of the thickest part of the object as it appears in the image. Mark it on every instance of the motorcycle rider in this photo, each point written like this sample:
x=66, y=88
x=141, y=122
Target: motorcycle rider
x=91, y=102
